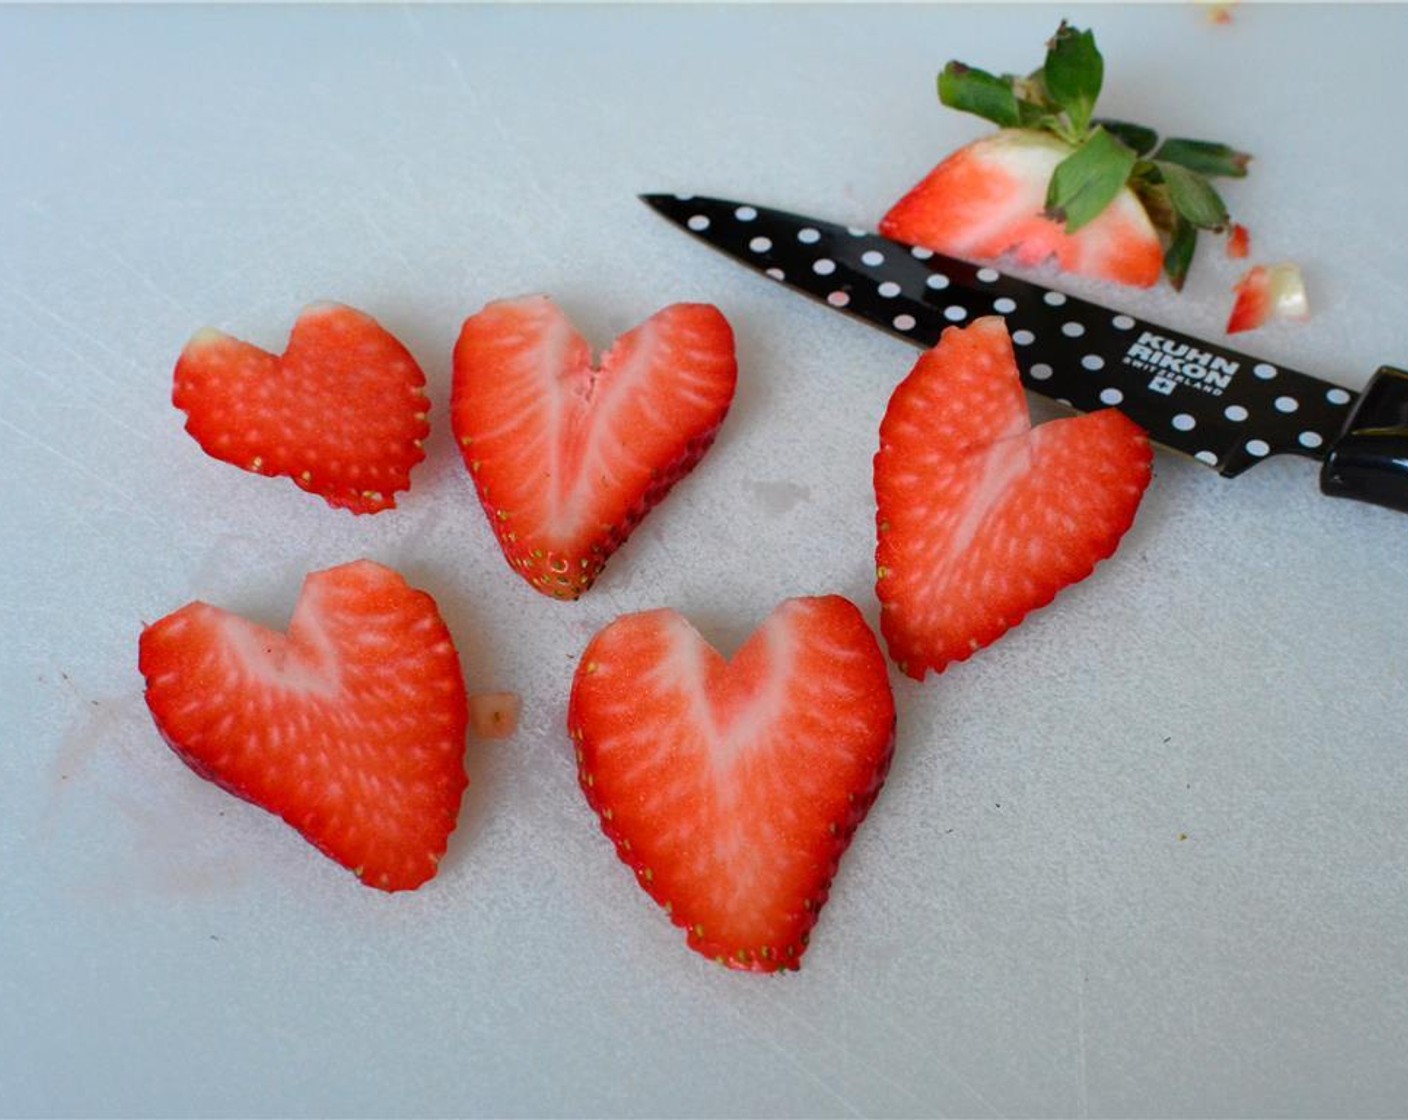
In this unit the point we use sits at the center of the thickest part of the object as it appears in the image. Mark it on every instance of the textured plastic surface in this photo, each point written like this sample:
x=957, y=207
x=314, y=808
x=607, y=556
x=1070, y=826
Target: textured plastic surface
x=1146, y=855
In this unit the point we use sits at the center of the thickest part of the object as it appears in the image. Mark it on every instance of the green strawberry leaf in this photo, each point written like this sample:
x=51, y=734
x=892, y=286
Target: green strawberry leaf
x=1039, y=118
x=1135, y=136
x=1149, y=187
x=1193, y=196
x=970, y=90
x=1088, y=179
x=1073, y=74
x=1205, y=157
x=1178, y=253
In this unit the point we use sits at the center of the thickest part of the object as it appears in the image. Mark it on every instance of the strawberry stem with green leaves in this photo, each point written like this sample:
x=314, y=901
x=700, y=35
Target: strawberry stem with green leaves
x=1170, y=179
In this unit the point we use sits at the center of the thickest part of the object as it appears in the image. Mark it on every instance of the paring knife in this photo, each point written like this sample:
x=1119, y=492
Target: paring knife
x=1224, y=408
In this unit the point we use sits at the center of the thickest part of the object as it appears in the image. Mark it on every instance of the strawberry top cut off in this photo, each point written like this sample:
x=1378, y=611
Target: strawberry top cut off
x=981, y=517
x=987, y=200
x=567, y=456
x=351, y=727
x=1103, y=198
x=342, y=411
x=732, y=787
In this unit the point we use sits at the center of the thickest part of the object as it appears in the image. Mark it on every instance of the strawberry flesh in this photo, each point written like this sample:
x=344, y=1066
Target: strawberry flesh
x=982, y=518
x=351, y=726
x=987, y=200
x=567, y=456
x=733, y=787
x=342, y=411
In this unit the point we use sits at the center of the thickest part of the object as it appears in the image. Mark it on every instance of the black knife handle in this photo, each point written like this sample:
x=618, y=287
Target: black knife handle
x=1369, y=461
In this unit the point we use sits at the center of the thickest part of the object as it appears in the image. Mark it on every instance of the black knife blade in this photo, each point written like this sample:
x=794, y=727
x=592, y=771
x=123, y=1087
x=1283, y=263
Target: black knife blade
x=1225, y=408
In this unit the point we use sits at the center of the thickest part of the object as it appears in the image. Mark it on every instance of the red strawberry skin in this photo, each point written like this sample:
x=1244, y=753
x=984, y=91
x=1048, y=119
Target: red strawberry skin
x=733, y=787
x=982, y=518
x=986, y=201
x=567, y=456
x=1252, y=307
x=342, y=411
x=351, y=727
x=1239, y=241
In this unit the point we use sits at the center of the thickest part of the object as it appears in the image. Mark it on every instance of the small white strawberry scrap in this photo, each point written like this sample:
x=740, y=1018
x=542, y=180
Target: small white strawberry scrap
x=494, y=715
x=1267, y=292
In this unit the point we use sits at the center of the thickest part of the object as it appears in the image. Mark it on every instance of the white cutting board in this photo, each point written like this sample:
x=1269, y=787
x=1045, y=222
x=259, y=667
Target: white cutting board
x=1144, y=856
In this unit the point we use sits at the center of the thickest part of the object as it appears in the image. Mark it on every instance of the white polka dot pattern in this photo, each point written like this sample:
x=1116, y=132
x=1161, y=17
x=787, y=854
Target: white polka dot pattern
x=1220, y=406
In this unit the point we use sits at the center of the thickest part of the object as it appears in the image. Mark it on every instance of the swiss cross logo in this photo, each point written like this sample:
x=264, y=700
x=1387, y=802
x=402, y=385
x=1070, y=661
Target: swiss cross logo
x=1164, y=385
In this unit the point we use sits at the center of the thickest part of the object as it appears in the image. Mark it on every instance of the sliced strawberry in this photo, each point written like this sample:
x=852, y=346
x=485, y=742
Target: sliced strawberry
x=988, y=200
x=981, y=517
x=351, y=727
x=1268, y=292
x=342, y=411
x=732, y=787
x=567, y=457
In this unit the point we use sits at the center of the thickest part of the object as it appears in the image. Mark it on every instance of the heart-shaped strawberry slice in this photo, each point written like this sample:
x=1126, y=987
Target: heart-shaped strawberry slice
x=568, y=456
x=342, y=411
x=351, y=727
x=981, y=517
x=732, y=787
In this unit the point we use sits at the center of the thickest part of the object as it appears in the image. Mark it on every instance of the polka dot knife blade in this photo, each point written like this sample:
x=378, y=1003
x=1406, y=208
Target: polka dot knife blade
x=1225, y=408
